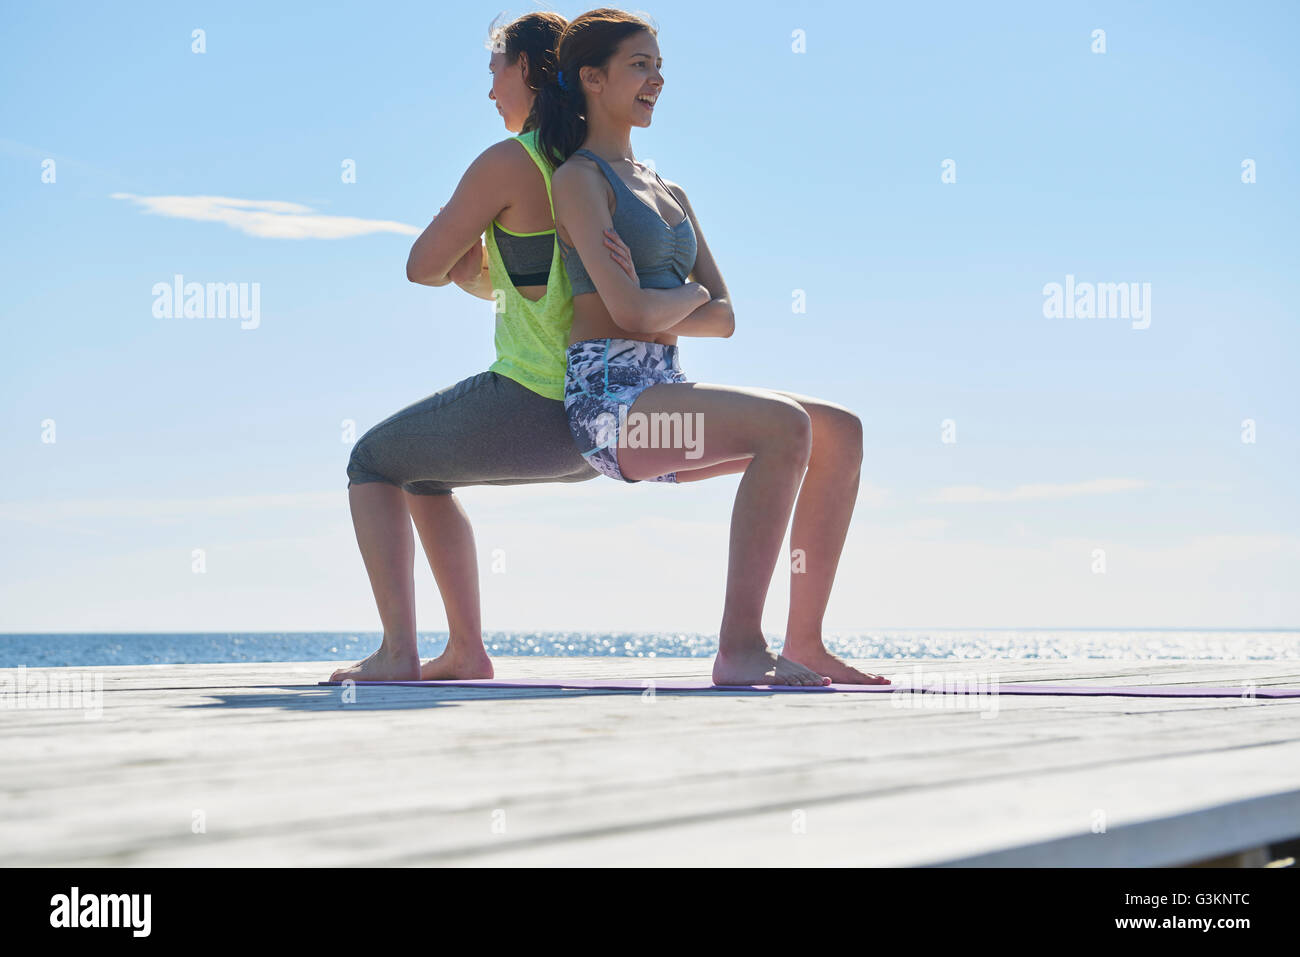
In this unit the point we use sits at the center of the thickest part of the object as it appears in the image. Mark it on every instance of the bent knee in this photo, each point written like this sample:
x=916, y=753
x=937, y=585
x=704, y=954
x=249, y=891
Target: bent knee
x=846, y=444
x=360, y=465
x=790, y=427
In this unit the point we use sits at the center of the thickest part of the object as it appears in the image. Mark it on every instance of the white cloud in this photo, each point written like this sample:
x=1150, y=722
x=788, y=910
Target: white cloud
x=1036, y=491
x=269, y=219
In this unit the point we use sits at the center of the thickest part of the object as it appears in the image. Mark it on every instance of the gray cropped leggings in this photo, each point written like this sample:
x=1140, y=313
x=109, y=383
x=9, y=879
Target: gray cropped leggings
x=484, y=430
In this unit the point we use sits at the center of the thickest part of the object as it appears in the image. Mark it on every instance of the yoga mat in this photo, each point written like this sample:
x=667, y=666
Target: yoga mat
x=704, y=684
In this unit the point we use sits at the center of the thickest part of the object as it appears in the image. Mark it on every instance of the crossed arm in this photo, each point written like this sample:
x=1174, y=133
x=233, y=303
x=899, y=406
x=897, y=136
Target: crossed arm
x=450, y=250
x=698, y=308
x=715, y=318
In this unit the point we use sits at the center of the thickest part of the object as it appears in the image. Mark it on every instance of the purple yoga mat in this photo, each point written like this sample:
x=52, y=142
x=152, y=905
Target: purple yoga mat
x=704, y=684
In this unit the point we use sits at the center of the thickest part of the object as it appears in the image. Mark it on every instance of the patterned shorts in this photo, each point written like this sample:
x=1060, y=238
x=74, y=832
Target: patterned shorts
x=604, y=377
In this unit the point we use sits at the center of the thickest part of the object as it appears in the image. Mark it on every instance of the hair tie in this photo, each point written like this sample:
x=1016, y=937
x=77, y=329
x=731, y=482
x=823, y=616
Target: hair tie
x=560, y=79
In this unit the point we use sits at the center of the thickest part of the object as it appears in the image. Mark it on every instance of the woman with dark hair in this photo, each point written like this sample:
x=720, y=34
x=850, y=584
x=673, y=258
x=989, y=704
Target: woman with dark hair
x=504, y=426
x=622, y=368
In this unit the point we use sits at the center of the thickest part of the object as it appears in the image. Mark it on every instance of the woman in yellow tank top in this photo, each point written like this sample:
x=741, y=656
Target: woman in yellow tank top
x=505, y=426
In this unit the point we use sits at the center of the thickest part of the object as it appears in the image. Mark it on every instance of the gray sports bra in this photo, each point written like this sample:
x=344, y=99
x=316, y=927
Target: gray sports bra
x=527, y=258
x=663, y=255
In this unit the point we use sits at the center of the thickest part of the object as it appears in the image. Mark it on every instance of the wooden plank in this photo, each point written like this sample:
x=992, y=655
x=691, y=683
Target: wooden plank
x=286, y=774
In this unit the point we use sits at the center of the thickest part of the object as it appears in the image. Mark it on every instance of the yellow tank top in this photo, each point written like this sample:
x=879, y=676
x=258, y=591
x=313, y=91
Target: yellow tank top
x=531, y=337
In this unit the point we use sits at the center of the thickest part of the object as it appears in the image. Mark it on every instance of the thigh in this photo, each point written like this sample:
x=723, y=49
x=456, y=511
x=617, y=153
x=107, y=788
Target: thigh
x=713, y=471
x=718, y=424
x=485, y=430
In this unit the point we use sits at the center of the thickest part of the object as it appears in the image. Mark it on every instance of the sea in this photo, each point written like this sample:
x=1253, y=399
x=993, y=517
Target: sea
x=81, y=650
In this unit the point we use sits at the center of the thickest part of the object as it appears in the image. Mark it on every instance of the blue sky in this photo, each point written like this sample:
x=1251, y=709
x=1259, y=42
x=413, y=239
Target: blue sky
x=816, y=170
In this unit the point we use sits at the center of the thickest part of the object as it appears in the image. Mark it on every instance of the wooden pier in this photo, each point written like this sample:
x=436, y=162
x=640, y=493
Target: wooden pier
x=255, y=764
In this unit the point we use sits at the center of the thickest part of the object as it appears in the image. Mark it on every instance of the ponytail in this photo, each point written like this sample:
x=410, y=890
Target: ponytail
x=561, y=119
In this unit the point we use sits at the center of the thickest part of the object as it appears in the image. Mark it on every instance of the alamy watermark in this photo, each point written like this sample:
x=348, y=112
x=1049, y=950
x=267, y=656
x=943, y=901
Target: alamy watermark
x=1103, y=300
x=75, y=909
x=179, y=299
x=948, y=689
x=57, y=689
x=651, y=430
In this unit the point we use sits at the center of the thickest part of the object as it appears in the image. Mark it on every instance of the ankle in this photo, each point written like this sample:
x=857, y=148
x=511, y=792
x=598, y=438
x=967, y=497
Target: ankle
x=808, y=641
x=741, y=641
x=398, y=648
x=465, y=648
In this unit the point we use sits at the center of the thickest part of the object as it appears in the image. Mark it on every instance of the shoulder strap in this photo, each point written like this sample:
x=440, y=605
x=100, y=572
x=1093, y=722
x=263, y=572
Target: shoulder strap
x=671, y=195
x=529, y=142
x=614, y=179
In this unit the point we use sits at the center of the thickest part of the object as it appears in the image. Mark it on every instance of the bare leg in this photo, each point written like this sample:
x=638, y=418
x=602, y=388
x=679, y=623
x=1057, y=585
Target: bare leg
x=448, y=540
x=776, y=434
x=383, y=528
x=821, y=523
x=821, y=519
x=712, y=471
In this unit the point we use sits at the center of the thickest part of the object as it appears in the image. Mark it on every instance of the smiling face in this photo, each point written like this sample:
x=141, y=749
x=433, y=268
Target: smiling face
x=511, y=94
x=627, y=90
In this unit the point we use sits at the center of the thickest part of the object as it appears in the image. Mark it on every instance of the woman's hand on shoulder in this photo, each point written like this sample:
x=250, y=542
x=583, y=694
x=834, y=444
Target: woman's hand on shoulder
x=619, y=252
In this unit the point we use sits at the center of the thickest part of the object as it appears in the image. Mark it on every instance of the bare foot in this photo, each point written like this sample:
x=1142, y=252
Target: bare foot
x=455, y=663
x=824, y=663
x=383, y=665
x=761, y=666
